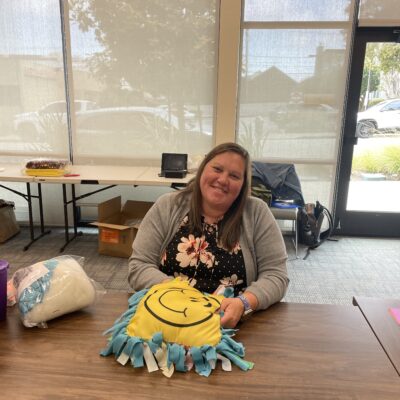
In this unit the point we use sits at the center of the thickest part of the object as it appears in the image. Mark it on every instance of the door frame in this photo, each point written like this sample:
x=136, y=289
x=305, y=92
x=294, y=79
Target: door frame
x=360, y=223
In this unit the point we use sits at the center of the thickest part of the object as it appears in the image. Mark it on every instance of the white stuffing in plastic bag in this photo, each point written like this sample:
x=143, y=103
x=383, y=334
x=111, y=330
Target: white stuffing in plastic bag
x=51, y=288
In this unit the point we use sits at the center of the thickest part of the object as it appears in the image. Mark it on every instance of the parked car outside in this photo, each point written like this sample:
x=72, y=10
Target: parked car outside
x=33, y=125
x=380, y=118
x=135, y=130
x=194, y=119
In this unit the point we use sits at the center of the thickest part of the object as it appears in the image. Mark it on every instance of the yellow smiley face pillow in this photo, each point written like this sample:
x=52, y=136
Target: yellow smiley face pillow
x=183, y=314
x=174, y=326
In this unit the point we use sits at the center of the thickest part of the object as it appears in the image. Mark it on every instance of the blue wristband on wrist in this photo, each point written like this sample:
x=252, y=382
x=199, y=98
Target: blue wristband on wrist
x=245, y=302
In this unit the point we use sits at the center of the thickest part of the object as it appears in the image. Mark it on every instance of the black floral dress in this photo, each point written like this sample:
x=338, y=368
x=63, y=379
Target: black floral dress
x=203, y=261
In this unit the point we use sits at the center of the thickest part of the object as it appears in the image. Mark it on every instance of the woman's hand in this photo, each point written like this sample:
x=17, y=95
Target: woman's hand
x=233, y=309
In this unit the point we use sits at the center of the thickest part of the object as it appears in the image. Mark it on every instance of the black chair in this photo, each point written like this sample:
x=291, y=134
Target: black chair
x=283, y=182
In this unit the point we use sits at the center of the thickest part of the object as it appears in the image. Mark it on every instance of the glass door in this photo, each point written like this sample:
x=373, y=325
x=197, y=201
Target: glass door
x=368, y=201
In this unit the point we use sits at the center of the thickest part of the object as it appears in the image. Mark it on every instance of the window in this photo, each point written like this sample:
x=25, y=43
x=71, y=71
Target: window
x=394, y=105
x=159, y=55
x=150, y=69
x=32, y=74
x=294, y=65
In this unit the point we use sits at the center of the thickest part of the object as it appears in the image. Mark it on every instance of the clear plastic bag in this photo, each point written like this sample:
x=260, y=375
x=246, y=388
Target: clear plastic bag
x=51, y=288
x=46, y=167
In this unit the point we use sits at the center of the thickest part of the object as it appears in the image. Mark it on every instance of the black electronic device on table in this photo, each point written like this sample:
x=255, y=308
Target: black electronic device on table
x=173, y=165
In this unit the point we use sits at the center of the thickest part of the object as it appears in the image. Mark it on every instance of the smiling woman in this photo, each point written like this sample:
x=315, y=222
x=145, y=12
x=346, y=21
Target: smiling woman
x=214, y=235
x=220, y=184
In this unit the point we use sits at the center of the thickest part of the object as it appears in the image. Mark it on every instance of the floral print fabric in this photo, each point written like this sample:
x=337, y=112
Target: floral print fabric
x=202, y=260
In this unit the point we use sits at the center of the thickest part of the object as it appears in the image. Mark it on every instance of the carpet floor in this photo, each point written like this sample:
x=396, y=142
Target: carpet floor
x=330, y=274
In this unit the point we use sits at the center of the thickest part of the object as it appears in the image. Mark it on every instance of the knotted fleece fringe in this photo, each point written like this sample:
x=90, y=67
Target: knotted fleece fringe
x=158, y=354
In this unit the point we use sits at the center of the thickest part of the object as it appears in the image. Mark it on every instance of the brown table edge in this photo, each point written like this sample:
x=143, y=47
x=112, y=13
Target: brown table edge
x=355, y=303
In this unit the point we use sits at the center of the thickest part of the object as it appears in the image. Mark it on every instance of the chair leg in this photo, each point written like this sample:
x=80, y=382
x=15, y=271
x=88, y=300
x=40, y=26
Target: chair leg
x=294, y=230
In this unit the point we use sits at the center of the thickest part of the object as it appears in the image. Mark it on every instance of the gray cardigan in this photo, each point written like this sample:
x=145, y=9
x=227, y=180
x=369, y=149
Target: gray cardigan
x=261, y=242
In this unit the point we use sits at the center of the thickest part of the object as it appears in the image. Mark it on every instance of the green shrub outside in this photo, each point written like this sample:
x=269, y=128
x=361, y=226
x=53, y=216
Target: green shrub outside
x=366, y=162
x=391, y=158
x=386, y=161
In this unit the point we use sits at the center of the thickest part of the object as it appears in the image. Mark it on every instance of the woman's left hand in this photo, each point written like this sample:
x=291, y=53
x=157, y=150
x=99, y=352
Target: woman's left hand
x=233, y=310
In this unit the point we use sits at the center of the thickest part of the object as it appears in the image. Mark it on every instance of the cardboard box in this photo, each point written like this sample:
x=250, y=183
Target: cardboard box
x=8, y=224
x=118, y=226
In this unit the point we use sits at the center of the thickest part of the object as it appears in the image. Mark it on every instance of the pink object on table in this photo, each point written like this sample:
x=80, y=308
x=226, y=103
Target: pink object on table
x=395, y=312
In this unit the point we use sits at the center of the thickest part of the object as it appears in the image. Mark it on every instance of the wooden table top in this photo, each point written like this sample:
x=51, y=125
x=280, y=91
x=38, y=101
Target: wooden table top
x=384, y=326
x=300, y=351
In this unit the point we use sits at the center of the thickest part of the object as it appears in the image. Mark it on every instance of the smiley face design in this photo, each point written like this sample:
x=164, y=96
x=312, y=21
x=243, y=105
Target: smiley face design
x=180, y=312
x=181, y=307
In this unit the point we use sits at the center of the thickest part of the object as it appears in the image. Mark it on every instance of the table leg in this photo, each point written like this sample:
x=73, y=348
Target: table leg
x=28, y=198
x=74, y=212
x=74, y=199
x=39, y=186
x=69, y=239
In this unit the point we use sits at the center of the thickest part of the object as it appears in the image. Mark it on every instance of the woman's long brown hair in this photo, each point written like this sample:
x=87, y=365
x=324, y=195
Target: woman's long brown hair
x=229, y=226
